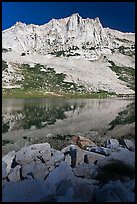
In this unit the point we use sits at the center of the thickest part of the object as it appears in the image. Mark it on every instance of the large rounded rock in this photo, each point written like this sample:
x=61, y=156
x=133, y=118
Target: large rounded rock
x=81, y=154
x=60, y=173
x=56, y=157
x=35, y=170
x=129, y=144
x=35, y=152
x=125, y=156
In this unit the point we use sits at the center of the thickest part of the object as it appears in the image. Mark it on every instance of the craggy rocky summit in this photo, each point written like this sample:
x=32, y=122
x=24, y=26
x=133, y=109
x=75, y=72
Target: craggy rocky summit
x=39, y=173
x=69, y=47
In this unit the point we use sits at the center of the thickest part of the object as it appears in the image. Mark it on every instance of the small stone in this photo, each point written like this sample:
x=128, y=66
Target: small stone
x=130, y=144
x=98, y=150
x=112, y=143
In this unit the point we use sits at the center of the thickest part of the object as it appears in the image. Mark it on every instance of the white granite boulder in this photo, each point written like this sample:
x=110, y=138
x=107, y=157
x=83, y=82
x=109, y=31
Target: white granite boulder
x=129, y=144
x=35, y=152
x=35, y=170
x=4, y=170
x=125, y=156
x=60, y=173
x=8, y=159
x=15, y=174
x=81, y=154
x=56, y=157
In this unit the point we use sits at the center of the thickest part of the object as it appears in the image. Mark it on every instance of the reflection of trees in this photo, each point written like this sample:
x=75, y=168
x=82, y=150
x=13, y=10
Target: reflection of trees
x=34, y=115
x=11, y=120
x=5, y=126
x=38, y=117
x=124, y=117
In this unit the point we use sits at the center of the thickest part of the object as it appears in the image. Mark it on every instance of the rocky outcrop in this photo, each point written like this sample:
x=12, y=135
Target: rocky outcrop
x=39, y=173
x=73, y=46
x=69, y=36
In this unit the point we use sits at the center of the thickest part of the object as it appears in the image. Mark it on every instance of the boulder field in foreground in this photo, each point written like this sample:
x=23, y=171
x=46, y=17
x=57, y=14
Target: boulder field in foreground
x=39, y=173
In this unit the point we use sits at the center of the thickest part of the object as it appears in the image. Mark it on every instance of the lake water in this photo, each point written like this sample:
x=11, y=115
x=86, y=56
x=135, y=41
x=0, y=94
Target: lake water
x=55, y=120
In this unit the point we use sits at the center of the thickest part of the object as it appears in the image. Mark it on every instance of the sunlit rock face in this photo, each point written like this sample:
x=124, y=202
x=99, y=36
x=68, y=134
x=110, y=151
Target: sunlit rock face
x=84, y=36
x=73, y=46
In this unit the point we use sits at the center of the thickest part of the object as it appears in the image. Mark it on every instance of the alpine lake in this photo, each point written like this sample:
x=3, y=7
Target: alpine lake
x=55, y=120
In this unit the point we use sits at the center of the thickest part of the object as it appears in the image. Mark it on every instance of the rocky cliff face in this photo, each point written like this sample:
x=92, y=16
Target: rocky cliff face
x=72, y=34
x=73, y=39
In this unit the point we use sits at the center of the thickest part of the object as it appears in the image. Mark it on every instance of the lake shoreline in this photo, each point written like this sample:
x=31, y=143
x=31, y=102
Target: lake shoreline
x=16, y=93
x=53, y=120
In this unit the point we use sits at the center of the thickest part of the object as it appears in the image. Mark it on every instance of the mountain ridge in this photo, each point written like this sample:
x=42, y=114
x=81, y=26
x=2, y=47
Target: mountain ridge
x=72, y=40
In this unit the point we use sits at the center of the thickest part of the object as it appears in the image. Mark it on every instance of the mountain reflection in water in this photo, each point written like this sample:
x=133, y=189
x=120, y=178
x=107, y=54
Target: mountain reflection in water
x=64, y=117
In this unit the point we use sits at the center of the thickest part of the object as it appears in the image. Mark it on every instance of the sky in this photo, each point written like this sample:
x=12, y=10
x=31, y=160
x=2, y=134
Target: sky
x=115, y=15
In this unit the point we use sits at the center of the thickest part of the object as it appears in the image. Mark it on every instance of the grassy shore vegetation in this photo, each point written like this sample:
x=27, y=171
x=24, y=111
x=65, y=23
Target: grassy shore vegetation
x=32, y=93
x=124, y=117
x=126, y=74
x=43, y=81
